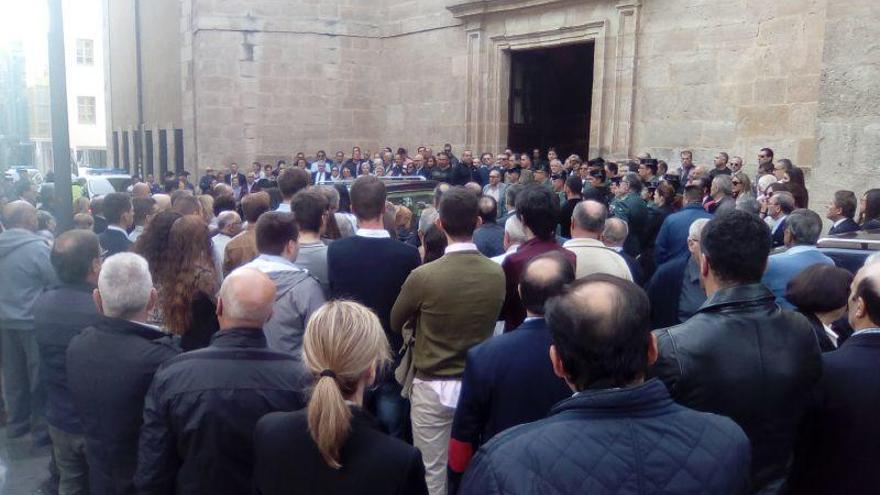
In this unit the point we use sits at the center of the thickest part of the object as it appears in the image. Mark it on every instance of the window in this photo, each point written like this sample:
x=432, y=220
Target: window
x=85, y=52
x=86, y=109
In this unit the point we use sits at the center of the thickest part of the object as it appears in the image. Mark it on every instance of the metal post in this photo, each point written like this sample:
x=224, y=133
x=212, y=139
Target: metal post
x=60, y=131
x=139, y=155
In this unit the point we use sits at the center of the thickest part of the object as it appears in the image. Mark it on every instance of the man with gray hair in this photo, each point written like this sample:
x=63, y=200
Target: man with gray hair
x=614, y=236
x=674, y=289
x=228, y=226
x=802, y=231
x=26, y=273
x=109, y=368
x=587, y=224
x=721, y=192
x=219, y=393
x=514, y=236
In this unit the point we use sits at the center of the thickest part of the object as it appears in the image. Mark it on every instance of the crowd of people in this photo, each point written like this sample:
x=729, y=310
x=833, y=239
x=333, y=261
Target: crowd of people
x=544, y=326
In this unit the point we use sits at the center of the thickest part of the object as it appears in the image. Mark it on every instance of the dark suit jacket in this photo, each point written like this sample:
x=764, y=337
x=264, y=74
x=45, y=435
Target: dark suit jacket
x=100, y=224
x=779, y=235
x=508, y=380
x=847, y=226
x=327, y=177
x=664, y=291
x=286, y=458
x=839, y=447
x=825, y=343
x=242, y=180
x=635, y=268
x=114, y=241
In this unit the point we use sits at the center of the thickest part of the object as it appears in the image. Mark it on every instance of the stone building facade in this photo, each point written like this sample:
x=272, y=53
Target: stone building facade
x=262, y=79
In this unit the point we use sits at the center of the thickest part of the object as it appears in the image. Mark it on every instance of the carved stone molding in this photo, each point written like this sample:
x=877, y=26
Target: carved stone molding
x=491, y=39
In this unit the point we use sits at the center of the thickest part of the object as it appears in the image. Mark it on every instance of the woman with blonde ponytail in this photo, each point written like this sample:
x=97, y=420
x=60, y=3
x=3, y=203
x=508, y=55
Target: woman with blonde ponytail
x=334, y=445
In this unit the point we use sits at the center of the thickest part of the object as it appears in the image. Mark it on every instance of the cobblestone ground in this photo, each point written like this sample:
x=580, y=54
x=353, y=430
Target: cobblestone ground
x=24, y=468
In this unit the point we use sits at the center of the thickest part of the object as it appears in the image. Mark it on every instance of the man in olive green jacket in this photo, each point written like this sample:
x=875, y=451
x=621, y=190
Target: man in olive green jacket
x=454, y=302
x=632, y=209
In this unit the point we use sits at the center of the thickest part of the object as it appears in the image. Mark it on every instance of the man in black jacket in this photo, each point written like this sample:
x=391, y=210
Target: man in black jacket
x=841, y=212
x=740, y=355
x=200, y=412
x=120, y=216
x=64, y=312
x=375, y=282
x=109, y=368
x=839, y=444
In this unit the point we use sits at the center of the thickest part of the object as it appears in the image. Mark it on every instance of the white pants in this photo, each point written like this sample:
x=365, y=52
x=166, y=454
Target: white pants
x=431, y=427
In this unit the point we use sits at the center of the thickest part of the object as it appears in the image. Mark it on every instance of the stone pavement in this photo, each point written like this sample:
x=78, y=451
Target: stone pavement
x=23, y=467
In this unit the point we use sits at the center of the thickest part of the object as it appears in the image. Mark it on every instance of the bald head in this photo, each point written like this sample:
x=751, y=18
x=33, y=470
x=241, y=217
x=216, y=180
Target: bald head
x=544, y=277
x=864, y=305
x=163, y=202
x=245, y=299
x=601, y=332
x=615, y=232
x=140, y=190
x=588, y=219
x=223, y=189
x=20, y=215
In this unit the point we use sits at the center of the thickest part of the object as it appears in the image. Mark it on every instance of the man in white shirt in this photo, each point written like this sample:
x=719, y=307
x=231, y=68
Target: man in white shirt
x=587, y=225
x=228, y=226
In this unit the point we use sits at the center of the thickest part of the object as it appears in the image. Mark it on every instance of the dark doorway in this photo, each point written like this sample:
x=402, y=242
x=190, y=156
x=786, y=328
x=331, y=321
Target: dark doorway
x=551, y=91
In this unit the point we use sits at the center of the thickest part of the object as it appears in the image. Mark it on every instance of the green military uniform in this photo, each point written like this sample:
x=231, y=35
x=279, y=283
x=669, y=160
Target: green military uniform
x=632, y=209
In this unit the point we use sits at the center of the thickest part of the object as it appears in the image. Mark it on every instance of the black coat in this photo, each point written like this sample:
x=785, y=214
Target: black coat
x=845, y=227
x=825, y=343
x=203, y=324
x=201, y=409
x=664, y=291
x=778, y=236
x=743, y=357
x=61, y=314
x=839, y=447
x=109, y=369
x=287, y=460
x=114, y=241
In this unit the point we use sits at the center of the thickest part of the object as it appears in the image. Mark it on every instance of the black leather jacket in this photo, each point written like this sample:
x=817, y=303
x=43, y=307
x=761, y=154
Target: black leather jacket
x=743, y=357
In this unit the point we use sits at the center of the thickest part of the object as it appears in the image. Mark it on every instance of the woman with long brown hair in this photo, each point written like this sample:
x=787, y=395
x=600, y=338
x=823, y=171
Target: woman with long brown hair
x=187, y=284
x=334, y=446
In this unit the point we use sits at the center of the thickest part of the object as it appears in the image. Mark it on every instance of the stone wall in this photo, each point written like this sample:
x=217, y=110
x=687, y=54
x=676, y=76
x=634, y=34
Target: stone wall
x=264, y=79
x=734, y=75
x=849, y=102
x=424, y=73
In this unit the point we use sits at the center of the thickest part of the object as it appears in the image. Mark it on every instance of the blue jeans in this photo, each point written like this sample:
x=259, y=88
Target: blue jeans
x=391, y=409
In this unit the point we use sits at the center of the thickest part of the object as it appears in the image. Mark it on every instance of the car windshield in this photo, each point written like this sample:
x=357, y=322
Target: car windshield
x=416, y=201
x=120, y=184
x=99, y=186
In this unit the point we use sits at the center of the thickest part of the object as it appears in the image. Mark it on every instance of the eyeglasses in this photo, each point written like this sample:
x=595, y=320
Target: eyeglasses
x=736, y=182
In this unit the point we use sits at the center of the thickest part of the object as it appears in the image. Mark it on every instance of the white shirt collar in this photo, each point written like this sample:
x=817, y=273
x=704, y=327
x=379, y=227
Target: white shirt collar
x=456, y=247
x=117, y=228
x=835, y=224
x=831, y=334
x=373, y=233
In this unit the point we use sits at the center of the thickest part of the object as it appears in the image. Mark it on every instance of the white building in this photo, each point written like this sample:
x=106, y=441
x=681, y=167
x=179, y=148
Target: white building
x=84, y=58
